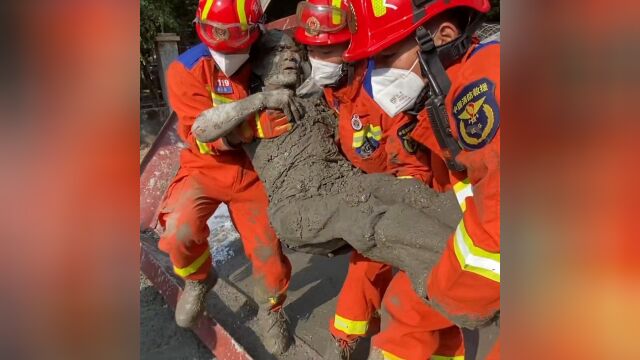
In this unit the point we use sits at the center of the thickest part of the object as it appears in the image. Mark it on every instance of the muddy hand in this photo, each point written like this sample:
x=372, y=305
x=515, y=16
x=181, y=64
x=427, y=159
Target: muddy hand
x=283, y=99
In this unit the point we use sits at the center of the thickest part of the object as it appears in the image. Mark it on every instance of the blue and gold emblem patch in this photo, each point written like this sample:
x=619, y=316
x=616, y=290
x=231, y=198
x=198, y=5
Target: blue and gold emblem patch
x=477, y=114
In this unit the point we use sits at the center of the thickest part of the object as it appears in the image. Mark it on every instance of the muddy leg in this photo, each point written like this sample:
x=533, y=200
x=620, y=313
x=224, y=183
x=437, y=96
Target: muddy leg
x=411, y=192
x=326, y=222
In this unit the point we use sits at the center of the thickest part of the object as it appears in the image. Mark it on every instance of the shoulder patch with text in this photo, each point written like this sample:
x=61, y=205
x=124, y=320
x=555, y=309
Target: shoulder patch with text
x=477, y=114
x=404, y=133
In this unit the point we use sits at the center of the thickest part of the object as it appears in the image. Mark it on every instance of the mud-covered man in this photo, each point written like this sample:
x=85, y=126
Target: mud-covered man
x=317, y=199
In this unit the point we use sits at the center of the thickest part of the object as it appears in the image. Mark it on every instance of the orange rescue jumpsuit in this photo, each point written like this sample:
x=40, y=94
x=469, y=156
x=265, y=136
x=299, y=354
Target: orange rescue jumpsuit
x=211, y=173
x=375, y=143
x=466, y=281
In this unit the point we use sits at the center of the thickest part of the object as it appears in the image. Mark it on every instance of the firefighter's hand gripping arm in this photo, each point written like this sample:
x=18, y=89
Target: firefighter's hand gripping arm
x=219, y=121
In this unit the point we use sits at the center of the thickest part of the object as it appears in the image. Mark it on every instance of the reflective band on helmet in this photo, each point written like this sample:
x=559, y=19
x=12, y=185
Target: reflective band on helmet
x=336, y=17
x=242, y=15
x=389, y=356
x=188, y=270
x=207, y=8
x=405, y=177
x=442, y=357
x=473, y=258
x=463, y=190
x=350, y=327
x=379, y=7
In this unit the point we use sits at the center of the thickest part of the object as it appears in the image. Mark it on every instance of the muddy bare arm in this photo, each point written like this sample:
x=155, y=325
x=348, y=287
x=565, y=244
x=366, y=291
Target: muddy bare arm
x=218, y=121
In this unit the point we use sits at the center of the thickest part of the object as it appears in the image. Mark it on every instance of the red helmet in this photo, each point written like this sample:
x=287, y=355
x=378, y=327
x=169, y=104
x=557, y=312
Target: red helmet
x=378, y=24
x=228, y=25
x=322, y=22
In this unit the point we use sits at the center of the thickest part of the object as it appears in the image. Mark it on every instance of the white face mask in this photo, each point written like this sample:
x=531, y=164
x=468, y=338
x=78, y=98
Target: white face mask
x=325, y=73
x=229, y=63
x=395, y=90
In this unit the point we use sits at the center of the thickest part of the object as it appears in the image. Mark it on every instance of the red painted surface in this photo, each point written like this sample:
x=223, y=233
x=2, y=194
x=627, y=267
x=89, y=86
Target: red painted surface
x=157, y=170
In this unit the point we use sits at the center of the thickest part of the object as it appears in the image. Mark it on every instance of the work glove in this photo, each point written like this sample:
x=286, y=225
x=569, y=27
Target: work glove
x=282, y=99
x=268, y=125
x=272, y=123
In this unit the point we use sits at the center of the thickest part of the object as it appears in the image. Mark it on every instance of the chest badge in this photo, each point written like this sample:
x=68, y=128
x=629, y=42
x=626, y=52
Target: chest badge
x=356, y=123
x=223, y=86
x=367, y=140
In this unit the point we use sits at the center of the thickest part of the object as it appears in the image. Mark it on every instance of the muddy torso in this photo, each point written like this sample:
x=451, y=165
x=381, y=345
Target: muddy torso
x=298, y=165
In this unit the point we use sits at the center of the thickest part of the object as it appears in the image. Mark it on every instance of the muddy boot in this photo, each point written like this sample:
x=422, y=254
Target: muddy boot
x=274, y=326
x=192, y=300
x=339, y=349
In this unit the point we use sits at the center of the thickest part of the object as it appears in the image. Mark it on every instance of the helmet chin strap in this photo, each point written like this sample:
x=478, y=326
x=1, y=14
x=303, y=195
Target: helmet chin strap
x=432, y=98
x=452, y=51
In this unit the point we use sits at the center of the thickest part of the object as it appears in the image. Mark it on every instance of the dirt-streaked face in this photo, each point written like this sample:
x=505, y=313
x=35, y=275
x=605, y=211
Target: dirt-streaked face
x=279, y=60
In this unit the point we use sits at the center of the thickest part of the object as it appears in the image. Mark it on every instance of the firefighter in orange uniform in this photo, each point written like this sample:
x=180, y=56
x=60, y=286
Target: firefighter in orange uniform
x=212, y=73
x=430, y=43
x=375, y=143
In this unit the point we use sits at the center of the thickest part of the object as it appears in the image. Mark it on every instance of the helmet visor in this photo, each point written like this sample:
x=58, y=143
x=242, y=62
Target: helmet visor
x=234, y=35
x=315, y=19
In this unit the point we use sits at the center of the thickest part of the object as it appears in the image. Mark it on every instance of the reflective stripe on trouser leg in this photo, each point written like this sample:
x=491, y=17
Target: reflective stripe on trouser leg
x=350, y=327
x=194, y=266
x=389, y=356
